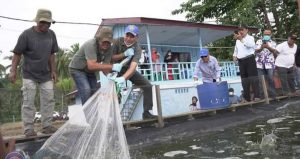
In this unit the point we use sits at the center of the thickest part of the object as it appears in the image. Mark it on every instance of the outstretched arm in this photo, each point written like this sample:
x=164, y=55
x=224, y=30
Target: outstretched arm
x=130, y=70
x=93, y=65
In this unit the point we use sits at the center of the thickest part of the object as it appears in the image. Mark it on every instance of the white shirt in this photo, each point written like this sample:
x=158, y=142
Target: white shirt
x=210, y=70
x=286, y=55
x=244, y=47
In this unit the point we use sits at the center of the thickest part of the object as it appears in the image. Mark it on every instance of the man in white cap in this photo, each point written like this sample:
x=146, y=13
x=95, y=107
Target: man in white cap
x=128, y=72
x=38, y=46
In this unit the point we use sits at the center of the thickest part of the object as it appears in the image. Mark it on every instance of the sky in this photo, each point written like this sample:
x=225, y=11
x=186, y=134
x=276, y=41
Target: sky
x=88, y=11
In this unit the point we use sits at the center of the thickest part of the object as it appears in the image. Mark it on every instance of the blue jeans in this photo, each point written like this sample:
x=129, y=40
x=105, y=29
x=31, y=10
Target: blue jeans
x=86, y=83
x=269, y=74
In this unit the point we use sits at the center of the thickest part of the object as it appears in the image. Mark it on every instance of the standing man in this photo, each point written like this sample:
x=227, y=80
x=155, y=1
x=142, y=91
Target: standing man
x=94, y=55
x=128, y=72
x=244, y=54
x=38, y=46
x=284, y=63
x=265, y=61
x=297, y=63
x=208, y=66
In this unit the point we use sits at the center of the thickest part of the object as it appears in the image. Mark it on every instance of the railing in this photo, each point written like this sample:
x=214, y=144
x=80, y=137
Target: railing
x=131, y=100
x=181, y=70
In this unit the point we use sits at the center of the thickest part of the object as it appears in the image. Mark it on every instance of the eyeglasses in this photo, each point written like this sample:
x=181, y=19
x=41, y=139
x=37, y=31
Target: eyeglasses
x=203, y=56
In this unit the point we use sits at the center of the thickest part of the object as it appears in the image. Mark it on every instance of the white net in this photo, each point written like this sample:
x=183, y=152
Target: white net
x=95, y=132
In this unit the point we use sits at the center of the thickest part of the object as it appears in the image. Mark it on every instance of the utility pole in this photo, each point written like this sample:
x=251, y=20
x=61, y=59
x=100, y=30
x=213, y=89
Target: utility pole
x=299, y=9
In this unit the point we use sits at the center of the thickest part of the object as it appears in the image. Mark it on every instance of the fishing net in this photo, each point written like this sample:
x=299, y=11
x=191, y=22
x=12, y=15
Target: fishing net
x=96, y=131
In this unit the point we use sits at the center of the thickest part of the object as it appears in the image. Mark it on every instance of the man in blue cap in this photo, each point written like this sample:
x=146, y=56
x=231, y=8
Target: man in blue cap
x=208, y=66
x=128, y=72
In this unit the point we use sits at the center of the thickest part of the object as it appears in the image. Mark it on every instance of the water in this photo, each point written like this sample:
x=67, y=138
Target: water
x=267, y=138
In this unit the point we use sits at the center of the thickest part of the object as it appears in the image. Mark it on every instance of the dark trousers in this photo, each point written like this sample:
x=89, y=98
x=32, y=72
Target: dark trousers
x=249, y=76
x=287, y=78
x=269, y=74
x=139, y=80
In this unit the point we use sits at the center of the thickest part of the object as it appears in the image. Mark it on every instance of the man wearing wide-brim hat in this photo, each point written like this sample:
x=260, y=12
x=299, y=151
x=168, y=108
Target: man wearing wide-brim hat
x=38, y=46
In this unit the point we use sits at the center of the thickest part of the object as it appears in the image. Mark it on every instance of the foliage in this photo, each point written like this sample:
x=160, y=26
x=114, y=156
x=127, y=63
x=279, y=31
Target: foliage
x=63, y=58
x=280, y=15
x=11, y=95
x=65, y=85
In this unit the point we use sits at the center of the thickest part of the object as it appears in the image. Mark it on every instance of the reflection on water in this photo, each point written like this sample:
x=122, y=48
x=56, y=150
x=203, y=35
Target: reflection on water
x=269, y=138
x=278, y=137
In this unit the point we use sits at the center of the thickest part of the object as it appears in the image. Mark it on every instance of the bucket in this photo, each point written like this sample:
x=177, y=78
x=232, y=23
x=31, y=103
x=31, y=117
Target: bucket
x=213, y=95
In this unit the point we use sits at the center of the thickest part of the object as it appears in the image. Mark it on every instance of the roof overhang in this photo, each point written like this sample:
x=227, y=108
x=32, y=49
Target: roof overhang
x=173, y=32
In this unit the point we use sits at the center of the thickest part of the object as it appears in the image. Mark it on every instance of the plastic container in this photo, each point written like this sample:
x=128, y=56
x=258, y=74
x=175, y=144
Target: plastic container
x=213, y=95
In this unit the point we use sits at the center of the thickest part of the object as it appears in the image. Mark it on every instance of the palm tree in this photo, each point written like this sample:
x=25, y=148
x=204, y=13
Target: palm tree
x=63, y=58
x=2, y=71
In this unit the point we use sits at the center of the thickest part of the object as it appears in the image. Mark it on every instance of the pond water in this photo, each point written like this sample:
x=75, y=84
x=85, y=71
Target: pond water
x=267, y=138
x=280, y=135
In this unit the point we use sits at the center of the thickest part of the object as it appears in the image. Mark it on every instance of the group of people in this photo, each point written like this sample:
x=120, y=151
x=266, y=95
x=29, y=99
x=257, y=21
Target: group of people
x=256, y=59
x=169, y=59
x=38, y=45
x=265, y=58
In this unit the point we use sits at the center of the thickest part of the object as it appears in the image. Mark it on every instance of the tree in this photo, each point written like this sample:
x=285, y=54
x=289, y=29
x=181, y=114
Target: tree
x=280, y=15
x=63, y=58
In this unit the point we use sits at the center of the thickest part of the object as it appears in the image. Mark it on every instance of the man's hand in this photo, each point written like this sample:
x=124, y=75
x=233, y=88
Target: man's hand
x=117, y=67
x=129, y=52
x=235, y=59
x=12, y=76
x=54, y=77
x=239, y=36
x=120, y=80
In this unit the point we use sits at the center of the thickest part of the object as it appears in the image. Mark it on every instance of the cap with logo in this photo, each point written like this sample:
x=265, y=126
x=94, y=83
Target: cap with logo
x=44, y=15
x=133, y=29
x=105, y=34
x=203, y=52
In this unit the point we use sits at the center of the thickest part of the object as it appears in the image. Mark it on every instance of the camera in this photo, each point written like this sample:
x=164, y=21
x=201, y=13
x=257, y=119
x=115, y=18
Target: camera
x=264, y=41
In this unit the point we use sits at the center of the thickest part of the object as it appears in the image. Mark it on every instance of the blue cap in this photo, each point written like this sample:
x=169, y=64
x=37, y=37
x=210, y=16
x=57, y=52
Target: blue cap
x=133, y=29
x=203, y=52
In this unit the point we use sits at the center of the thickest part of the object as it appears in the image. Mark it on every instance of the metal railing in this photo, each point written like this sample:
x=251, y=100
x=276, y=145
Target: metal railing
x=181, y=70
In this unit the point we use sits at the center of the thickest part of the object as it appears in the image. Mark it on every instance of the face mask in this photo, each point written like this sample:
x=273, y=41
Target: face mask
x=230, y=93
x=266, y=38
x=128, y=45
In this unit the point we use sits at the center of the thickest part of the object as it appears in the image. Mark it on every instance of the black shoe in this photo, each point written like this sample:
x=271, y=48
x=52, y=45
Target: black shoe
x=148, y=115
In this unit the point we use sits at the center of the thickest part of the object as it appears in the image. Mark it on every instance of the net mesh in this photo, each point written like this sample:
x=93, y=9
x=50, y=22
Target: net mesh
x=95, y=132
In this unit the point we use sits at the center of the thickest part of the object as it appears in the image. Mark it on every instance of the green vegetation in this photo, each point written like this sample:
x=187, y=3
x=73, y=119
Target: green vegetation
x=280, y=15
x=11, y=94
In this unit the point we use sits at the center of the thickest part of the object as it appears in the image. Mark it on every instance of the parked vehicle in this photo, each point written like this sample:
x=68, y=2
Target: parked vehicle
x=37, y=117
